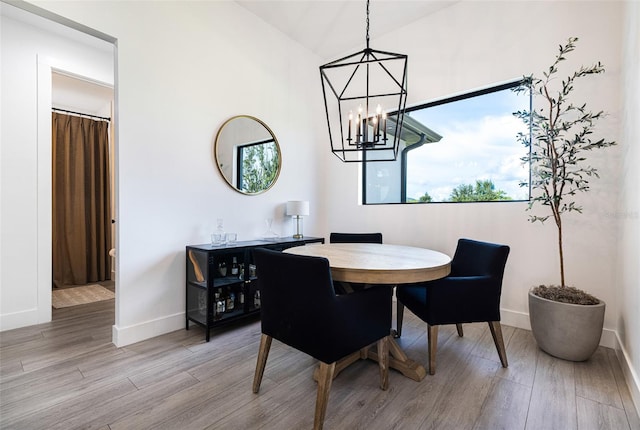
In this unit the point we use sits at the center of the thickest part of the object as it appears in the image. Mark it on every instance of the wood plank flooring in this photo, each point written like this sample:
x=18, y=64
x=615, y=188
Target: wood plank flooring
x=68, y=375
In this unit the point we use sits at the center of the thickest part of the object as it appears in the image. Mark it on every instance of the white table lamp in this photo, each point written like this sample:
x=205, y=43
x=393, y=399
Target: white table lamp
x=297, y=209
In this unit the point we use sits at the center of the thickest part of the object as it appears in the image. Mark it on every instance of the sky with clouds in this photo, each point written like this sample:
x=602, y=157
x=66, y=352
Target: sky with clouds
x=478, y=143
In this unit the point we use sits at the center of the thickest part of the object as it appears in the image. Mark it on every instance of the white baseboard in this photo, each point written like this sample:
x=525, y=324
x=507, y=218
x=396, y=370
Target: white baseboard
x=609, y=339
x=630, y=374
x=515, y=319
x=18, y=319
x=123, y=336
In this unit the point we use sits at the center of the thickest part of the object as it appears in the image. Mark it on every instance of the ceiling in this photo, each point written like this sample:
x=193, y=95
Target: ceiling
x=331, y=28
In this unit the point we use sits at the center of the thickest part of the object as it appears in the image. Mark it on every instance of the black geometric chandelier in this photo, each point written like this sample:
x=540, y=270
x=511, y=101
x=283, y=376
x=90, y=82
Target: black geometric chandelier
x=361, y=91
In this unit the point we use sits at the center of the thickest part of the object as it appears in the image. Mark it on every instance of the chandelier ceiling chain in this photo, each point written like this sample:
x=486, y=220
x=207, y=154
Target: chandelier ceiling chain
x=367, y=24
x=365, y=97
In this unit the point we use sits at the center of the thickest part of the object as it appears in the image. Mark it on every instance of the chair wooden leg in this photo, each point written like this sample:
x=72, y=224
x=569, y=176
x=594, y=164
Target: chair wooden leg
x=325, y=377
x=459, y=328
x=496, y=332
x=263, y=353
x=399, y=317
x=432, y=340
x=383, y=362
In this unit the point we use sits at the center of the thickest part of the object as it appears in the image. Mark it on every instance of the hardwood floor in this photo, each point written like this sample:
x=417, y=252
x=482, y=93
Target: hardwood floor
x=66, y=375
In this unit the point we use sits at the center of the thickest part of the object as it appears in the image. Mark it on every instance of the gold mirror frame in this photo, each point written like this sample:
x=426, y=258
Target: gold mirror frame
x=238, y=133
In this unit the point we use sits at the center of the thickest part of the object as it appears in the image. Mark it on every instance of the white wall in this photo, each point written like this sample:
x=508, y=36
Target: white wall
x=182, y=71
x=628, y=213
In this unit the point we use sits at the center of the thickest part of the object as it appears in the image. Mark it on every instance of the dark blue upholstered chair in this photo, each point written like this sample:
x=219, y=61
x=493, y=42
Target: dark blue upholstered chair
x=349, y=287
x=471, y=293
x=300, y=308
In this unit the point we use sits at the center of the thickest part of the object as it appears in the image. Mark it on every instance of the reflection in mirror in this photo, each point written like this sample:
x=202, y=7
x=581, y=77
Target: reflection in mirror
x=247, y=154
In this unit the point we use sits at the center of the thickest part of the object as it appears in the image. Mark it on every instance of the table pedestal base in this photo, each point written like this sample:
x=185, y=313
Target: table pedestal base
x=398, y=360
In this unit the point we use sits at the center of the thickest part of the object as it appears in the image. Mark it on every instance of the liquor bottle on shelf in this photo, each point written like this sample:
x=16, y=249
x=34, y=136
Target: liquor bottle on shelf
x=220, y=306
x=241, y=298
x=222, y=268
x=234, y=267
x=256, y=299
x=231, y=300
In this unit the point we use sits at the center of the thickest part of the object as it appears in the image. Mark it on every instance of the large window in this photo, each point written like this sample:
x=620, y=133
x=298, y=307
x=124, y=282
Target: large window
x=459, y=149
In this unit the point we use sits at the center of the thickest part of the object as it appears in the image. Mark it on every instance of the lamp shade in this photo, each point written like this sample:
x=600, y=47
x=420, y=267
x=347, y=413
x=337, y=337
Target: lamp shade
x=297, y=207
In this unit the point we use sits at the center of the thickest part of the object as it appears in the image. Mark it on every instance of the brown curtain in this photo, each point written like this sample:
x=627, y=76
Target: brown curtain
x=81, y=200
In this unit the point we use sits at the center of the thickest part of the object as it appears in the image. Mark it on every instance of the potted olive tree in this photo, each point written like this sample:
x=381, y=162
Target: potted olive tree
x=566, y=321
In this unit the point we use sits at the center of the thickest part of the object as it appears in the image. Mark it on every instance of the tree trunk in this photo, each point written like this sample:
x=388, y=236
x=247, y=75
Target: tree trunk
x=559, y=223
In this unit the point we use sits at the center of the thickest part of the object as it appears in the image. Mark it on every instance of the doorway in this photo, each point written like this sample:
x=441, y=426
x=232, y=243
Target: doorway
x=83, y=206
x=88, y=56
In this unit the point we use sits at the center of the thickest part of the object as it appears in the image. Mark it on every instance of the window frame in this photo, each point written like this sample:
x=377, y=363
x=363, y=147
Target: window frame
x=512, y=84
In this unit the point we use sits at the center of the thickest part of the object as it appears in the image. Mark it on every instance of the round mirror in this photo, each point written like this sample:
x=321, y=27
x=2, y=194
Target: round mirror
x=247, y=154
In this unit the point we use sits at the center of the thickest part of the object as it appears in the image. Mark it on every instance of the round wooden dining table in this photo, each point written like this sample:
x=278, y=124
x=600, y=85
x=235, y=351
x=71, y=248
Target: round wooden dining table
x=373, y=263
x=376, y=263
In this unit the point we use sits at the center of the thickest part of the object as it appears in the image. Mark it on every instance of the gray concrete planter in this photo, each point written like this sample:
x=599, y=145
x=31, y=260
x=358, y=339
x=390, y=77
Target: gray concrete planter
x=567, y=331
